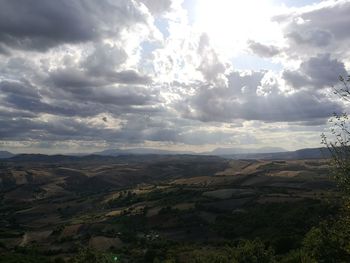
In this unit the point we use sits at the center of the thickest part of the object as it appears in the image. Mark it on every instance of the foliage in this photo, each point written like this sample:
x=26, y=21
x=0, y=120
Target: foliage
x=24, y=255
x=245, y=251
x=86, y=255
x=339, y=142
x=296, y=256
x=329, y=242
x=339, y=148
x=282, y=224
x=20, y=258
x=253, y=252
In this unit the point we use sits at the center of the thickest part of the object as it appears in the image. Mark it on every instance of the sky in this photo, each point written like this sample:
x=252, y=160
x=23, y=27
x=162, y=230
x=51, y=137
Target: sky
x=86, y=75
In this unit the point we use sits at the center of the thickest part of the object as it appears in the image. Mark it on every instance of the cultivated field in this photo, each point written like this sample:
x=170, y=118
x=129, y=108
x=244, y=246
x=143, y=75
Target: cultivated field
x=125, y=205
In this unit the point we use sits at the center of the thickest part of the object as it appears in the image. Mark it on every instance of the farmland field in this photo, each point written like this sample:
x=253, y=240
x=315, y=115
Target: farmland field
x=161, y=204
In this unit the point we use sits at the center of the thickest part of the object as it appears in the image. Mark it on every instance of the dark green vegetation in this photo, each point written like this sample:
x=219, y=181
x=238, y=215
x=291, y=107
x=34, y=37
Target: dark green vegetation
x=170, y=209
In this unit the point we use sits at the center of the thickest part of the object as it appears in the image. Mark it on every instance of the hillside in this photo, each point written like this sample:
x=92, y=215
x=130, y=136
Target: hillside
x=117, y=203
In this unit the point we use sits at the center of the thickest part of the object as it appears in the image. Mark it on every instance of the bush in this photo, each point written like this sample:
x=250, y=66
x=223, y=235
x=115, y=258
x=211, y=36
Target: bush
x=24, y=255
x=245, y=251
x=253, y=252
x=87, y=255
x=330, y=242
x=297, y=256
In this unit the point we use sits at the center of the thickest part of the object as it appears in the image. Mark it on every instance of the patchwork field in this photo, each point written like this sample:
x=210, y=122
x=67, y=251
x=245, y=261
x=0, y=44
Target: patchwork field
x=125, y=206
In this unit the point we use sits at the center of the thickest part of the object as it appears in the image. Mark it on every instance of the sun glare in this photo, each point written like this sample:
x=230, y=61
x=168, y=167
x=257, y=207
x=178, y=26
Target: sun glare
x=230, y=23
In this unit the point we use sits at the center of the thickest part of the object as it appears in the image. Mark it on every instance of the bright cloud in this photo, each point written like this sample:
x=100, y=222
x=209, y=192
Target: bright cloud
x=230, y=24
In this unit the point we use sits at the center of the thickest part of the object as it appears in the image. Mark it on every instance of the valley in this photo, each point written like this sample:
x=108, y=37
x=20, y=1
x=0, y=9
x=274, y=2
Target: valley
x=131, y=206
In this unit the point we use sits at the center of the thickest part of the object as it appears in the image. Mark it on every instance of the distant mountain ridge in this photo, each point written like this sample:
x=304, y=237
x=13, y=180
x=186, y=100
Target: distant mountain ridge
x=5, y=154
x=90, y=159
x=217, y=151
x=141, y=151
x=226, y=151
x=267, y=153
x=57, y=158
x=311, y=153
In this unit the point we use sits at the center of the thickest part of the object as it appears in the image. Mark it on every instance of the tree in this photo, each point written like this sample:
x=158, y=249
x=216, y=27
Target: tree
x=339, y=142
x=86, y=255
x=330, y=241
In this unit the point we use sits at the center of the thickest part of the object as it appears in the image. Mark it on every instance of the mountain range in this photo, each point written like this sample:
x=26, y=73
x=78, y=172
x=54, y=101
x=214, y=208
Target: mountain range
x=6, y=154
x=140, y=151
x=232, y=153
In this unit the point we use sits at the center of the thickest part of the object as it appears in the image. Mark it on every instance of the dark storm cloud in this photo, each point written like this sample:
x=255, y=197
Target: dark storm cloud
x=23, y=96
x=79, y=100
x=99, y=69
x=119, y=96
x=78, y=86
x=72, y=78
x=55, y=97
x=22, y=89
x=36, y=105
x=136, y=129
x=11, y=128
x=35, y=129
x=4, y=50
x=319, y=72
x=13, y=113
x=130, y=77
x=263, y=50
x=41, y=24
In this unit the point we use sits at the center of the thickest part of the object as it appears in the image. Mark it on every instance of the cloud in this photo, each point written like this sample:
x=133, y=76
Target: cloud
x=79, y=100
x=333, y=18
x=210, y=66
x=4, y=50
x=319, y=72
x=317, y=38
x=321, y=29
x=130, y=77
x=40, y=24
x=255, y=96
x=105, y=58
x=72, y=78
x=59, y=128
x=157, y=6
x=23, y=96
x=263, y=50
x=100, y=72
